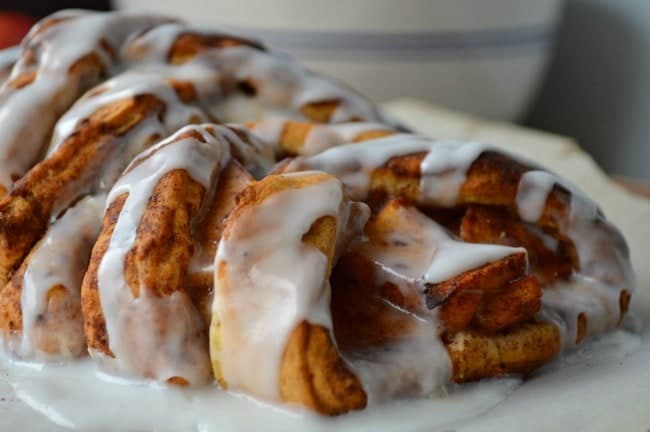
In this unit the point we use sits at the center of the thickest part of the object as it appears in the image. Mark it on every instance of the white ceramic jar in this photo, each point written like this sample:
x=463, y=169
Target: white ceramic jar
x=480, y=56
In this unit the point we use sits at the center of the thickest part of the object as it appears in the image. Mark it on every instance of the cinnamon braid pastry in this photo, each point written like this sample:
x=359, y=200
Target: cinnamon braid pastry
x=139, y=317
x=272, y=293
x=40, y=308
x=363, y=264
x=242, y=81
x=175, y=76
x=561, y=224
x=55, y=67
x=403, y=256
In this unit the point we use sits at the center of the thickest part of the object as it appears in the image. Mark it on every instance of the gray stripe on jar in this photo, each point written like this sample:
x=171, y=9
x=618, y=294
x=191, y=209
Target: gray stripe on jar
x=427, y=45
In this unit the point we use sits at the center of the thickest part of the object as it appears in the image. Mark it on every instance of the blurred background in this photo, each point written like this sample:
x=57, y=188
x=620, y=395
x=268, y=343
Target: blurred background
x=575, y=67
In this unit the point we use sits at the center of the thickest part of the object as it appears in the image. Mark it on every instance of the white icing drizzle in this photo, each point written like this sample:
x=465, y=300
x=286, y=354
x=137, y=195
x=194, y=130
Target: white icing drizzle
x=532, y=192
x=566, y=300
x=269, y=130
x=283, y=87
x=595, y=289
x=354, y=163
x=153, y=46
x=134, y=83
x=603, y=257
x=60, y=258
x=455, y=257
x=89, y=403
x=320, y=137
x=239, y=106
x=155, y=80
x=416, y=365
x=256, y=155
x=132, y=324
x=428, y=253
x=443, y=168
x=54, y=87
x=274, y=282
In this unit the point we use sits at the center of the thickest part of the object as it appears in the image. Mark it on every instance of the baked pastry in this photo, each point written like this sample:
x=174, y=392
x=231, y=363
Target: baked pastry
x=485, y=196
x=313, y=253
x=272, y=293
x=161, y=76
x=401, y=267
x=139, y=317
x=41, y=304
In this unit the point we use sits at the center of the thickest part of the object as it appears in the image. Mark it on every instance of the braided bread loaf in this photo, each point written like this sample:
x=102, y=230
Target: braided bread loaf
x=363, y=264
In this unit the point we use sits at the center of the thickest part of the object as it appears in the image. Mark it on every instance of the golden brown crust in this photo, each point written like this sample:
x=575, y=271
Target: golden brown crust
x=82, y=74
x=256, y=193
x=514, y=304
x=233, y=180
x=163, y=245
x=362, y=320
x=477, y=355
x=61, y=178
x=372, y=134
x=294, y=135
x=481, y=224
x=312, y=373
x=11, y=315
x=161, y=253
x=399, y=177
x=497, y=287
x=486, y=278
x=94, y=322
x=188, y=45
x=492, y=180
x=458, y=311
x=321, y=111
x=200, y=284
